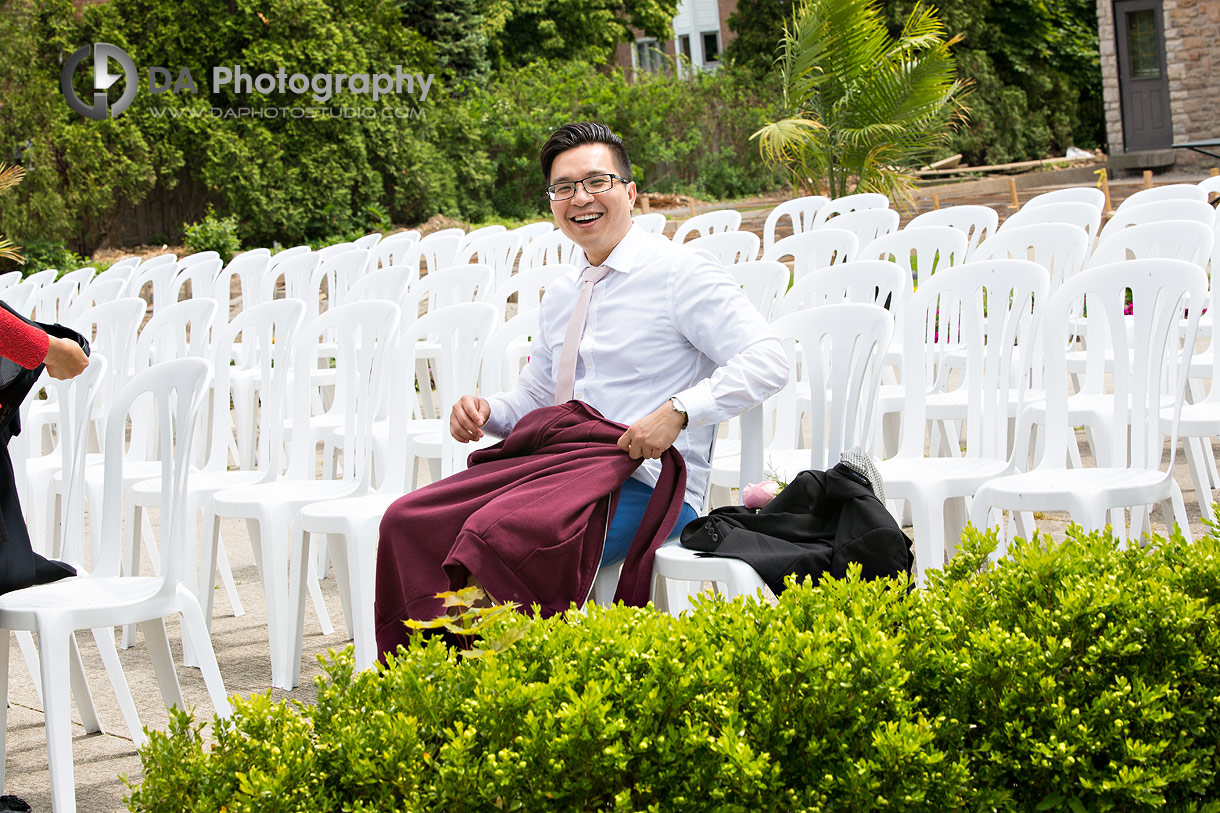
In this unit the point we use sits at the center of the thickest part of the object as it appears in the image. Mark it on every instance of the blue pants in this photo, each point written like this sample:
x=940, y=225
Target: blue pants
x=632, y=501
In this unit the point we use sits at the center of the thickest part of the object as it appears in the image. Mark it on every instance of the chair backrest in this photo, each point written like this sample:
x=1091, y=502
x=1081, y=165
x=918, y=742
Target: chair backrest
x=532, y=231
x=95, y=293
x=453, y=286
x=180, y=330
x=1084, y=215
x=814, y=249
x=1142, y=319
x=1073, y=194
x=437, y=251
x=296, y=272
x=474, y=235
x=201, y=275
x=159, y=278
x=44, y=277
x=506, y=351
x=389, y=283
x=982, y=312
x=76, y=398
x=1177, y=239
x=81, y=276
x=198, y=257
x=1173, y=191
x=867, y=224
x=259, y=340
x=51, y=303
x=868, y=282
x=112, y=328
x=367, y=241
x=851, y=203
x=18, y=297
x=841, y=350
x=1060, y=248
x=553, y=247
x=287, y=254
x=528, y=286
x=729, y=247
x=763, y=281
x=327, y=252
x=976, y=222
x=342, y=271
x=250, y=269
x=651, y=222
x=393, y=250
x=499, y=250
x=1211, y=186
x=801, y=212
x=9, y=280
x=173, y=393
x=1157, y=212
x=358, y=337
x=708, y=223
x=921, y=251
x=459, y=334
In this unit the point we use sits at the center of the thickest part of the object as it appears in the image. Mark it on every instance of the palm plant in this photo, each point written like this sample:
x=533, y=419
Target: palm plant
x=864, y=108
x=10, y=176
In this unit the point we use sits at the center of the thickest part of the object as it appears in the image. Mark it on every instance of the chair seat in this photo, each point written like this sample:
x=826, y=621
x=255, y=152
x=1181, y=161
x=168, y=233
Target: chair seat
x=90, y=594
x=337, y=516
x=904, y=477
x=148, y=492
x=282, y=493
x=1060, y=489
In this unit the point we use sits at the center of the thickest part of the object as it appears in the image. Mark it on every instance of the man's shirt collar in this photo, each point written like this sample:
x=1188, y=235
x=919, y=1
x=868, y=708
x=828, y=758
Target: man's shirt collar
x=622, y=258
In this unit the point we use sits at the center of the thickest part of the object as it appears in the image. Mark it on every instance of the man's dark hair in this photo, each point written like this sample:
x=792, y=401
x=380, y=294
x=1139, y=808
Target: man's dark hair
x=570, y=136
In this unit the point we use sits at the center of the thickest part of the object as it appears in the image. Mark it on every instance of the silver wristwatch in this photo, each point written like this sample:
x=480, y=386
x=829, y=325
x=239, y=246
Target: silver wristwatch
x=680, y=409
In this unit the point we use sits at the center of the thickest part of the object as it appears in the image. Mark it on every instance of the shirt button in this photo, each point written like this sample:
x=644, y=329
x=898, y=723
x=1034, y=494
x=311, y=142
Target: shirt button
x=579, y=396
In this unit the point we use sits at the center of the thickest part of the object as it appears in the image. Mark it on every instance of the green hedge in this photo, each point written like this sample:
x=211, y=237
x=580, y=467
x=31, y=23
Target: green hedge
x=1074, y=676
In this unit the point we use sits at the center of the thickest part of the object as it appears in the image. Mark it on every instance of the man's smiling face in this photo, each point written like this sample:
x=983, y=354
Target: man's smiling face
x=595, y=222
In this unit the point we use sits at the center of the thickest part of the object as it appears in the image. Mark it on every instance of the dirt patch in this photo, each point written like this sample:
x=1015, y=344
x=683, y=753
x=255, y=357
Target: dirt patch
x=110, y=256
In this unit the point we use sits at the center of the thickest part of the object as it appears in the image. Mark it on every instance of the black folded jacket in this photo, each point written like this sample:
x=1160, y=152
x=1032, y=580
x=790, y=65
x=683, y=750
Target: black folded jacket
x=819, y=524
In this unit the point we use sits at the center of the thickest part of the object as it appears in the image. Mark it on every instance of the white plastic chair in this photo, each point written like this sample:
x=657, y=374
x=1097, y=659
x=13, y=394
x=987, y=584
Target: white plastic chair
x=1084, y=215
x=1149, y=364
x=44, y=277
x=265, y=335
x=394, y=250
x=814, y=249
x=287, y=254
x=158, y=275
x=528, y=286
x=51, y=302
x=729, y=247
x=9, y=280
x=18, y=296
x=363, y=332
x=350, y=524
x=1210, y=185
x=105, y=598
x=532, y=231
x=474, y=235
x=651, y=222
x=200, y=275
x=867, y=224
x=851, y=203
x=1073, y=194
x=979, y=311
x=388, y=283
x=871, y=282
x=437, y=251
x=95, y=293
x=708, y=223
x=1173, y=239
x=800, y=211
x=342, y=270
x=976, y=222
x=1157, y=212
x=249, y=269
x=763, y=282
x=1173, y=191
x=1060, y=248
x=553, y=247
x=499, y=251
x=198, y=257
x=367, y=241
x=1200, y=422
x=334, y=250
x=920, y=251
x=840, y=348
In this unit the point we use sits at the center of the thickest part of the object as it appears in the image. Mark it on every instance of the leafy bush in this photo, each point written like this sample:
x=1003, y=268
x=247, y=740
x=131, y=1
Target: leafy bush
x=43, y=254
x=1072, y=676
x=213, y=233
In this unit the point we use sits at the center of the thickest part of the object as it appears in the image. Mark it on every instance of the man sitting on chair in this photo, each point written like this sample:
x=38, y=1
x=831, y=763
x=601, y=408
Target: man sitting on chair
x=649, y=334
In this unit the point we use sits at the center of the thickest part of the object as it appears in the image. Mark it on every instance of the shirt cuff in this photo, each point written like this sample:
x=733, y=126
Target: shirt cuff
x=699, y=403
x=498, y=423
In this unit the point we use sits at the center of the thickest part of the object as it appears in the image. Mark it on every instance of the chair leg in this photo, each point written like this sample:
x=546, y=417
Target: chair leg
x=341, y=561
x=363, y=572
x=57, y=645
x=298, y=573
x=29, y=653
x=4, y=644
x=1196, y=453
x=929, y=523
x=226, y=578
x=1179, y=512
x=79, y=683
x=207, y=576
x=104, y=638
x=162, y=661
x=132, y=535
x=192, y=620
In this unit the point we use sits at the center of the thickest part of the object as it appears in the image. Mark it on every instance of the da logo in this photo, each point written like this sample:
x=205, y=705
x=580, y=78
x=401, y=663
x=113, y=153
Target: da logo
x=103, y=52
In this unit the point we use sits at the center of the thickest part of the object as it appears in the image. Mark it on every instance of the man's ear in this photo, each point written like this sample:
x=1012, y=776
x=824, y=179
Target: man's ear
x=631, y=193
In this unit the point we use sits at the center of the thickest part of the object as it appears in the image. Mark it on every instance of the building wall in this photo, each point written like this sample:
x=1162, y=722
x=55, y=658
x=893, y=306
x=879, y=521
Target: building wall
x=693, y=18
x=1192, y=51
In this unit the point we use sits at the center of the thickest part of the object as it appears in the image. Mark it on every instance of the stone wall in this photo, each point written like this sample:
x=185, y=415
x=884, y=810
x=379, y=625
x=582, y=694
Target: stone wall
x=1192, y=51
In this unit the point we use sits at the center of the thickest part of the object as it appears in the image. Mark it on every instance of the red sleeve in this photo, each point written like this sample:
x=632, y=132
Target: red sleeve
x=23, y=343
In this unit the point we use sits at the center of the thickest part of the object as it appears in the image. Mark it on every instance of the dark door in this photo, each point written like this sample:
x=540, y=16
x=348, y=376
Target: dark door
x=1143, y=81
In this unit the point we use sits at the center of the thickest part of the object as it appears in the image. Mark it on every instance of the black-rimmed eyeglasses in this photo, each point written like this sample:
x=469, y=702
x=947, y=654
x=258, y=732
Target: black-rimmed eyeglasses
x=594, y=185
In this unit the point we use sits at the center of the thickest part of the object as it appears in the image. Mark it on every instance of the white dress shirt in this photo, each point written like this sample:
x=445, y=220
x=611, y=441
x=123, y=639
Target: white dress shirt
x=667, y=321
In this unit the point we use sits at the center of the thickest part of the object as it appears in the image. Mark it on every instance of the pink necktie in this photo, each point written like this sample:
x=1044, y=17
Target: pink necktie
x=566, y=379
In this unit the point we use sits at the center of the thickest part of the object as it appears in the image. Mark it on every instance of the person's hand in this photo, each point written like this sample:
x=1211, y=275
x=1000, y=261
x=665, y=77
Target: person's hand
x=652, y=434
x=65, y=358
x=468, y=416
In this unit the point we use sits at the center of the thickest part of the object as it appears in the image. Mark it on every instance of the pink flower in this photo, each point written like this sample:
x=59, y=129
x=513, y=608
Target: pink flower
x=757, y=495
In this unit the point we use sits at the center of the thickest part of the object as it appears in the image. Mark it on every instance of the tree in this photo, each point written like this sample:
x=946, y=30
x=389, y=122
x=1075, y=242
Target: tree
x=573, y=30
x=759, y=26
x=458, y=33
x=10, y=177
x=864, y=107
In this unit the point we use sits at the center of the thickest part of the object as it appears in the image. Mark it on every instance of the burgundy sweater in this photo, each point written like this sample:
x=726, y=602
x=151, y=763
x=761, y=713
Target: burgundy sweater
x=528, y=519
x=22, y=343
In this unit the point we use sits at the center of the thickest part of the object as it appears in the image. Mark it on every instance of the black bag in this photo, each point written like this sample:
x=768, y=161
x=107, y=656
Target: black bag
x=821, y=523
x=19, y=565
